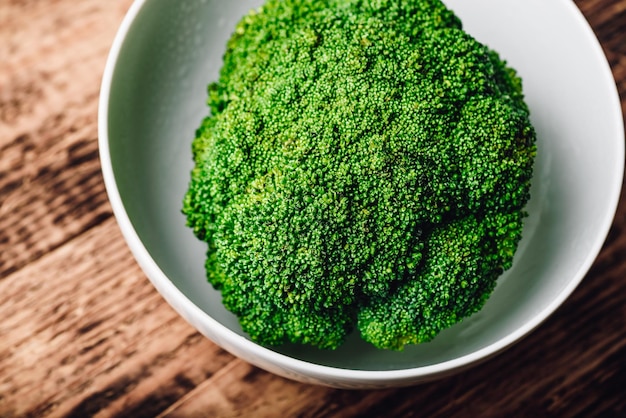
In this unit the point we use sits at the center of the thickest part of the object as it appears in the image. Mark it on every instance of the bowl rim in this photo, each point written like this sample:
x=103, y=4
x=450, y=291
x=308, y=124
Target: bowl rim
x=265, y=357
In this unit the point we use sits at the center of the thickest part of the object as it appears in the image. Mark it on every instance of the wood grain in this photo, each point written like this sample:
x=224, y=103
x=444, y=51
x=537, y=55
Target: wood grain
x=149, y=352
x=83, y=332
x=51, y=63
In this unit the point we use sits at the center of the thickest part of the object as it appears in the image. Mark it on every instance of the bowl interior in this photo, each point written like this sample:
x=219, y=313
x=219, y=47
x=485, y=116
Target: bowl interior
x=172, y=50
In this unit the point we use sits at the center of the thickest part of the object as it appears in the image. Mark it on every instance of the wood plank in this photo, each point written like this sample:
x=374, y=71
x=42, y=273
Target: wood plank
x=84, y=333
x=242, y=390
x=49, y=171
x=608, y=20
x=38, y=75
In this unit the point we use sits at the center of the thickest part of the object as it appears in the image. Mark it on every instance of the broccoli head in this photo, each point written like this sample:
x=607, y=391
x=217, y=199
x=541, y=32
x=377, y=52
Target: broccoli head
x=365, y=165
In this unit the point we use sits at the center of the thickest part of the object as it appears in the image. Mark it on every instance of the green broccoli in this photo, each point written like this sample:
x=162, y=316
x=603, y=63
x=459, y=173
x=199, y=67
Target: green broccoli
x=365, y=165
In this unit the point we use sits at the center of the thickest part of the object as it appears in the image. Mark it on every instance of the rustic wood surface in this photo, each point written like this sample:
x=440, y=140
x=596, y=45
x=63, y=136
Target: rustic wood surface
x=83, y=332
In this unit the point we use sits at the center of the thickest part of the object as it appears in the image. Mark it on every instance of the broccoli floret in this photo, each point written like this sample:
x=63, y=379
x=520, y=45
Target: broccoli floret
x=365, y=165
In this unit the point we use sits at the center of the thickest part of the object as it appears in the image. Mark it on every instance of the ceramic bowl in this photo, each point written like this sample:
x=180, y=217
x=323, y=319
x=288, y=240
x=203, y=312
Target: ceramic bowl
x=153, y=98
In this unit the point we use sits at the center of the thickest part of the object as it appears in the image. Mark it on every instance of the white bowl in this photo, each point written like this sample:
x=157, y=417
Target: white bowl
x=153, y=98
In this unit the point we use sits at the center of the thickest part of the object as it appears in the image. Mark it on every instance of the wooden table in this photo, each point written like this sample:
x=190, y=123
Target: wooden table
x=83, y=332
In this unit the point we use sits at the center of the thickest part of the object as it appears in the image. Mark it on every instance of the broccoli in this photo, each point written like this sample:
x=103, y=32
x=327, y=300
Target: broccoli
x=364, y=166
